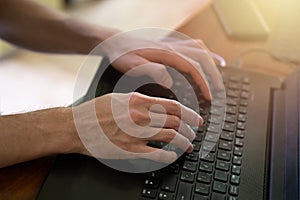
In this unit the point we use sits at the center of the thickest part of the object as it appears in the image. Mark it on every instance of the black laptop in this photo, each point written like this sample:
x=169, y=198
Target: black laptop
x=255, y=157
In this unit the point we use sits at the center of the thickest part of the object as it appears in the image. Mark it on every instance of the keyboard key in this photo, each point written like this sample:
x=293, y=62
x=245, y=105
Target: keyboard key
x=225, y=145
x=232, y=198
x=232, y=101
x=216, y=111
x=224, y=155
x=233, y=190
x=216, y=196
x=222, y=165
x=238, y=151
x=230, y=118
x=234, y=78
x=201, y=128
x=231, y=110
x=234, y=179
x=236, y=170
x=151, y=183
x=169, y=183
x=184, y=191
x=149, y=193
x=219, y=187
x=198, y=137
x=202, y=189
x=228, y=127
x=245, y=95
x=192, y=157
x=242, y=117
x=165, y=196
x=237, y=160
x=240, y=134
x=241, y=126
x=187, y=176
x=174, y=168
x=206, y=167
x=243, y=110
x=189, y=166
x=234, y=86
x=208, y=157
x=221, y=176
x=213, y=128
x=214, y=120
x=246, y=80
x=200, y=197
x=204, y=177
x=212, y=137
x=227, y=135
x=209, y=146
x=196, y=146
x=232, y=93
x=239, y=142
x=244, y=102
x=155, y=175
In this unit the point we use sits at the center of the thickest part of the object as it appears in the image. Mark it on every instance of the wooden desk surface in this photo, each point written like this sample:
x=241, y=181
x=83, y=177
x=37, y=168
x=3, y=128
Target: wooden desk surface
x=207, y=27
x=23, y=181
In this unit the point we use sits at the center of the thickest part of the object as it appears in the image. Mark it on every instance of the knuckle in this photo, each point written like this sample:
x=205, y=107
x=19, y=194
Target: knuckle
x=160, y=70
x=170, y=135
x=135, y=98
x=175, y=105
x=137, y=116
x=176, y=122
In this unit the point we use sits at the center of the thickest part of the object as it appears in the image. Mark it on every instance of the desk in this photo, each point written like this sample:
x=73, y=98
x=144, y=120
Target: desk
x=23, y=181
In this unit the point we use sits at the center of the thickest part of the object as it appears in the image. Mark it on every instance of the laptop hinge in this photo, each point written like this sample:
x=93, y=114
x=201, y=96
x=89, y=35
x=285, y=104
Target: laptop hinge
x=277, y=147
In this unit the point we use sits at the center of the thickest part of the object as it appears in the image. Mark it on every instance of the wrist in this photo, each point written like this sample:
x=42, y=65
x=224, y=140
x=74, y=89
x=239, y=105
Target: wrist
x=69, y=141
x=59, y=130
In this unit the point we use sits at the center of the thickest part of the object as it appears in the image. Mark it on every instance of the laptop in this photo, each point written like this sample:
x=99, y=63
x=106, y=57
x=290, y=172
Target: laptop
x=255, y=157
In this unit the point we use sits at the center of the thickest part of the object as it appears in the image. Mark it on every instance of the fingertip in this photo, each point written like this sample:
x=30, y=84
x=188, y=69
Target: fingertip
x=207, y=96
x=201, y=120
x=163, y=78
x=169, y=157
x=168, y=82
x=190, y=148
x=173, y=156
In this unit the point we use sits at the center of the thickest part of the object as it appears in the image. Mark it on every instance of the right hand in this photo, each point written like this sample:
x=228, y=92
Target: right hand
x=154, y=119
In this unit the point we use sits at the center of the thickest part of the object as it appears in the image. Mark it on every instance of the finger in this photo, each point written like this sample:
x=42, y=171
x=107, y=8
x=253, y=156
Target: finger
x=202, y=56
x=181, y=63
x=186, y=42
x=173, y=107
x=135, y=65
x=173, y=137
x=159, y=74
x=172, y=122
x=158, y=155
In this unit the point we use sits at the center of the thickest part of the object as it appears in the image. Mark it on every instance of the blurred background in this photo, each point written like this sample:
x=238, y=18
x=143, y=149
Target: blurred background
x=31, y=80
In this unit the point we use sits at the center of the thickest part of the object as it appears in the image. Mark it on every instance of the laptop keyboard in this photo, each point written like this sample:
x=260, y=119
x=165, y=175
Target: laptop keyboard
x=216, y=175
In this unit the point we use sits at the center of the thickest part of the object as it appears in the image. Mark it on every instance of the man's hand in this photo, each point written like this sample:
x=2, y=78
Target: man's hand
x=127, y=128
x=187, y=56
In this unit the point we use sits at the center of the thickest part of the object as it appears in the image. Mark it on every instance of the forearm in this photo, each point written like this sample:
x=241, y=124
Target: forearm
x=34, y=26
x=36, y=134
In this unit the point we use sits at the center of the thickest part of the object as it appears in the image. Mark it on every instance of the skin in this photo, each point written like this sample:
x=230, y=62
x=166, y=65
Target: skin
x=41, y=133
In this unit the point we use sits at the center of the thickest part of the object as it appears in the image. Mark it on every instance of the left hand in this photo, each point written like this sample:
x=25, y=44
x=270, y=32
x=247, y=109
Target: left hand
x=187, y=56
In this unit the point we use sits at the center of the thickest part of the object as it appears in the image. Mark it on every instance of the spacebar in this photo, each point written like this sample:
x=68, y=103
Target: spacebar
x=184, y=191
